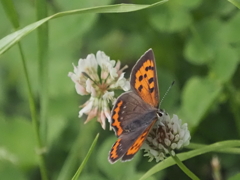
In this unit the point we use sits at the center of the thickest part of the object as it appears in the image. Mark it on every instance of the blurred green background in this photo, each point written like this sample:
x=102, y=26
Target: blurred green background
x=196, y=43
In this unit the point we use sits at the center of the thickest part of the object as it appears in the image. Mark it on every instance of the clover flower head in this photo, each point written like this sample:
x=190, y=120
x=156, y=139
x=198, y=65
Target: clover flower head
x=167, y=135
x=98, y=76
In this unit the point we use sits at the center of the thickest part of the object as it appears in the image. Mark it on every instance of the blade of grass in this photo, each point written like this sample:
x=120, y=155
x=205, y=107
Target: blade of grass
x=187, y=155
x=184, y=168
x=226, y=150
x=76, y=175
x=9, y=40
x=12, y=15
x=41, y=10
x=234, y=104
x=235, y=3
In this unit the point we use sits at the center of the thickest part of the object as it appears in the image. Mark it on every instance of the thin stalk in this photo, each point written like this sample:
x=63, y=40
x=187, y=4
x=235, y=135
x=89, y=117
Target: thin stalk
x=184, y=168
x=80, y=168
x=232, y=150
x=41, y=10
x=12, y=15
x=32, y=105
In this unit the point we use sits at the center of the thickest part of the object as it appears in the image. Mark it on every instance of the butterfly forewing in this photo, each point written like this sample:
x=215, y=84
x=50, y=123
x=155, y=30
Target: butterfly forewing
x=144, y=79
x=127, y=112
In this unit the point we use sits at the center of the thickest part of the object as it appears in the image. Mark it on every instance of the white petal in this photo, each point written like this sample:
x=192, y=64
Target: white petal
x=90, y=89
x=91, y=114
x=106, y=111
x=167, y=142
x=101, y=119
x=87, y=108
x=108, y=96
x=173, y=146
x=179, y=144
x=80, y=89
x=176, y=138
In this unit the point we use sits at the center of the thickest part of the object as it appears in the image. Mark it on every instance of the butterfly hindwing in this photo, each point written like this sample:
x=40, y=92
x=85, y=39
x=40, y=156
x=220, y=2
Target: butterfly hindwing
x=137, y=144
x=128, y=144
x=131, y=117
x=144, y=79
x=122, y=145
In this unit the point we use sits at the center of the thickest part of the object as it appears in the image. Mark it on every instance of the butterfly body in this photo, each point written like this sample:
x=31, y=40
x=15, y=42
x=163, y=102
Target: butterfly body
x=135, y=112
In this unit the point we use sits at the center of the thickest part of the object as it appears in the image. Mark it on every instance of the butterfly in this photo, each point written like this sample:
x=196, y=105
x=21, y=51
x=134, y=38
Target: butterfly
x=135, y=112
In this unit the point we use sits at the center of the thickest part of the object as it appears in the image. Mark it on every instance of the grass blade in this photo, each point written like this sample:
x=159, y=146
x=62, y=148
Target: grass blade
x=9, y=40
x=187, y=155
x=41, y=10
x=235, y=3
x=225, y=150
x=76, y=175
x=12, y=15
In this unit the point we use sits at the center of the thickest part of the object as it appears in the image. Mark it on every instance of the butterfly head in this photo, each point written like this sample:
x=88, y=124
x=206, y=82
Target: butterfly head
x=162, y=115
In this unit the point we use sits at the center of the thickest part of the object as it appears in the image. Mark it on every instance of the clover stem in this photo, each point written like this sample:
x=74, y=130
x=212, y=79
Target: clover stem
x=184, y=168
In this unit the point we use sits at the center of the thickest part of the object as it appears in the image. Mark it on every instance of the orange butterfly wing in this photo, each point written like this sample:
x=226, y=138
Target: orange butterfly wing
x=137, y=144
x=144, y=79
x=131, y=119
x=145, y=86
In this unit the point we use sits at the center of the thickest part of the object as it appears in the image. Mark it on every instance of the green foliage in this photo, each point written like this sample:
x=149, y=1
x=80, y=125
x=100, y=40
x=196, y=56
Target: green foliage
x=235, y=2
x=187, y=155
x=235, y=177
x=196, y=43
x=16, y=135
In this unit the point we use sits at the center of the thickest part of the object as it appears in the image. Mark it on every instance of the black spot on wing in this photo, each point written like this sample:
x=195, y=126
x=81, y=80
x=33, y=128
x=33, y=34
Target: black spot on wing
x=150, y=80
x=140, y=88
x=151, y=90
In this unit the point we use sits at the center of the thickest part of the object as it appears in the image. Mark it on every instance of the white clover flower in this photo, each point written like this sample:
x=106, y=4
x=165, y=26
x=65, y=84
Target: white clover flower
x=167, y=135
x=98, y=76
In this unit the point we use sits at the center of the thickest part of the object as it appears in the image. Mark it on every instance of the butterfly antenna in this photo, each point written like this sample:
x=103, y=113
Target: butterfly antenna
x=166, y=93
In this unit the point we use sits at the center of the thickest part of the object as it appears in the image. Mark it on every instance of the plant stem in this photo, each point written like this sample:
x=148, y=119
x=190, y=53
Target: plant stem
x=80, y=168
x=13, y=17
x=41, y=11
x=184, y=168
x=42, y=165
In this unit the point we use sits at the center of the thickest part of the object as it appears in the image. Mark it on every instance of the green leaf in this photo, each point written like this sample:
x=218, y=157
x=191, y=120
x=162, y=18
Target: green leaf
x=235, y=177
x=198, y=95
x=9, y=171
x=169, y=17
x=225, y=64
x=226, y=150
x=17, y=138
x=196, y=51
x=235, y=3
x=206, y=38
x=232, y=28
x=75, y=177
x=188, y=155
x=11, y=39
x=170, y=21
